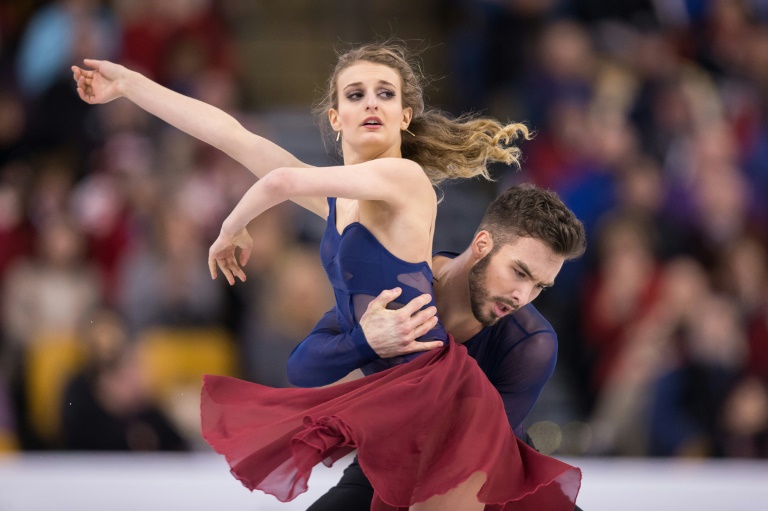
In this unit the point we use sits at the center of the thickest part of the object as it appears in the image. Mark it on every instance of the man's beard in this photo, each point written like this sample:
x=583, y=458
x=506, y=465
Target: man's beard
x=478, y=295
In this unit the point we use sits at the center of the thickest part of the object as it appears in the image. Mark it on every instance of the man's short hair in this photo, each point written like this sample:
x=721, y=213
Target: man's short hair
x=531, y=211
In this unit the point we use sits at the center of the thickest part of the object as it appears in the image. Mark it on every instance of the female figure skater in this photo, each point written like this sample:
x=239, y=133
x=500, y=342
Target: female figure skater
x=430, y=433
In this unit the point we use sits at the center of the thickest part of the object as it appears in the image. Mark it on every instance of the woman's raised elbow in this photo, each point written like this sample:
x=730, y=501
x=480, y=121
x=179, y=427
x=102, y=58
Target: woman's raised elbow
x=280, y=182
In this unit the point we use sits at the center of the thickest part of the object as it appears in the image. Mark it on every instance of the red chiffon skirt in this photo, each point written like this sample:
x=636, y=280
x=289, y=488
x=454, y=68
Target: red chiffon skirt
x=420, y=429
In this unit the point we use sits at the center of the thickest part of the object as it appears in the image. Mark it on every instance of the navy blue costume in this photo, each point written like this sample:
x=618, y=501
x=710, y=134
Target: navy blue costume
x=359, y=268
x=273, y=437
x=518, y=354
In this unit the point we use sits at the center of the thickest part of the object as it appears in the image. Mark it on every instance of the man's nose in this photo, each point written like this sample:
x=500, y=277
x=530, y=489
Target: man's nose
x=521, y=295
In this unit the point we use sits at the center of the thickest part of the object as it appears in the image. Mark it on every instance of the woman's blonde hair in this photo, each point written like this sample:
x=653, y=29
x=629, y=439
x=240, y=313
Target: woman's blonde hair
x=447, y=148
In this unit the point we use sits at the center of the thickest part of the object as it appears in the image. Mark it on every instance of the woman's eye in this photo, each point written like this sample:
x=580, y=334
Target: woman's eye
x=387, y=94
x=354, y=95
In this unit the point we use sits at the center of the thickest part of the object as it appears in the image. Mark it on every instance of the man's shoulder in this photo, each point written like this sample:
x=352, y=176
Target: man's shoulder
x=526, y=327
x=525, y=322
x=524, y=339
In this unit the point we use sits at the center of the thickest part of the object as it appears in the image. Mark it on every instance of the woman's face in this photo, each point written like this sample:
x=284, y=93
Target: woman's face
x=370, y=115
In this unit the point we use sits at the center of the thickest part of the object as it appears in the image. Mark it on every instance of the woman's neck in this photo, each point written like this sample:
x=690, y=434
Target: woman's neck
x=353, y=157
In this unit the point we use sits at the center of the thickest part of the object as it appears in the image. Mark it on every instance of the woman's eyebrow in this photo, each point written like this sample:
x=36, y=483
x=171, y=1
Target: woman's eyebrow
x=358, y=84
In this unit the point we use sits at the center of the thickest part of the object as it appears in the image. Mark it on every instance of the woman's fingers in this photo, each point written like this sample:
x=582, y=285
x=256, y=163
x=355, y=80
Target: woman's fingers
x=212, y=267
x=84, y=90
x=84, y=79
x=92, y=63
x=245, y=254
x=223, y=253
x=78, y=73
x=225, y=271
x=229, y=268
x=236, y=270
x=84, y=96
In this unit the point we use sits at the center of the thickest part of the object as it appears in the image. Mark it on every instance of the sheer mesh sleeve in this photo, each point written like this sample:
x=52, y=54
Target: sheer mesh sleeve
x=518, y=354
x=326, y=355
x=523, y=375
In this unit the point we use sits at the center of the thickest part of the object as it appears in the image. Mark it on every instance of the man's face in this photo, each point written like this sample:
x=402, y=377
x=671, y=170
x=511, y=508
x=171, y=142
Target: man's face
x=511, y=276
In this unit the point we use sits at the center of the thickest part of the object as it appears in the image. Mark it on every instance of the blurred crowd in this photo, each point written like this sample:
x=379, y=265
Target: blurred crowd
x=651, y=122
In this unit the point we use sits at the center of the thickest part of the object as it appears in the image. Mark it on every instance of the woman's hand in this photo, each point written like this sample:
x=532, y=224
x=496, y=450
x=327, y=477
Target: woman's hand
x=222, y=253
x=101, y=84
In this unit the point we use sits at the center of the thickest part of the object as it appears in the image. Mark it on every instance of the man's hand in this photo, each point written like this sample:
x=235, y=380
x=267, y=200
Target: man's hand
x=391, y=333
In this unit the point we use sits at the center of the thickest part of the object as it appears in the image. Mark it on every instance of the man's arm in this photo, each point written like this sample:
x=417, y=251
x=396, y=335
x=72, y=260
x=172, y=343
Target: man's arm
x=524, y=370
x=326, y=355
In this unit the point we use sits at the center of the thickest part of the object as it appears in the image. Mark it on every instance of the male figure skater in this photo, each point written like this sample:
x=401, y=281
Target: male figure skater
x=482, y=298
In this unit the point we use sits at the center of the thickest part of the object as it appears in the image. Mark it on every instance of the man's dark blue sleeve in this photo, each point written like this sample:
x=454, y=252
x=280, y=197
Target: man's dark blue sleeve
x=327, y=355
x=523, y=374
x=518, y=355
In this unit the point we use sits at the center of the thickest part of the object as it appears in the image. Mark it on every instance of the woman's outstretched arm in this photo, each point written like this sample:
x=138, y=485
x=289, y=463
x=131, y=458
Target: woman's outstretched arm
x=398, y=182
x=107, y=81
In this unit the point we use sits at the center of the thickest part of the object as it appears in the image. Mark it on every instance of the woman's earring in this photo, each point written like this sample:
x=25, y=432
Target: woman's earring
x=408, y=131
x=338, y=135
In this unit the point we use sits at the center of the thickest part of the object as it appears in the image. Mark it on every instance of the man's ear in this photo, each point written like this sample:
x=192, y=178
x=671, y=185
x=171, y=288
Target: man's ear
x=482, y=245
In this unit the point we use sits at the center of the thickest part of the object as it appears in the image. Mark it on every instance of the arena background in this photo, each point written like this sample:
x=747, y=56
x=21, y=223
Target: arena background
x=651, y=121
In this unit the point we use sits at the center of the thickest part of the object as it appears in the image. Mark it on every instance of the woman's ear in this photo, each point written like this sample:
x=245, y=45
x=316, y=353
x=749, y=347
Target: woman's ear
x=407, y=118
x=333, y=118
